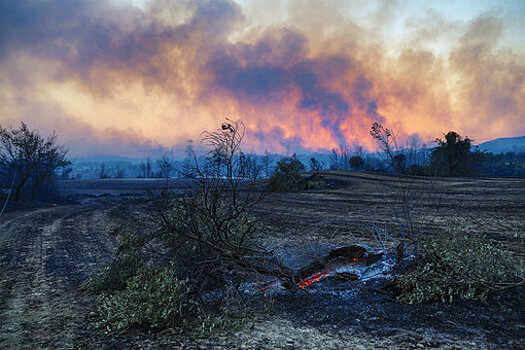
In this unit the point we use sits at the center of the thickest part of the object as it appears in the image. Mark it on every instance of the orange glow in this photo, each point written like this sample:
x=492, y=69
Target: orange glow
x=112, y=78
x=311, y=280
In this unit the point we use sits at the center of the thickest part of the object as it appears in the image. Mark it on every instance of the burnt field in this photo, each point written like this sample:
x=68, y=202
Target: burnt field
x=46, y=253
x=120, y=187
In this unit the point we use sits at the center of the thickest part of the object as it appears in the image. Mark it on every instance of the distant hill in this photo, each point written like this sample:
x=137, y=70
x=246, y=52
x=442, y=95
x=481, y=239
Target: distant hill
x=504, y=145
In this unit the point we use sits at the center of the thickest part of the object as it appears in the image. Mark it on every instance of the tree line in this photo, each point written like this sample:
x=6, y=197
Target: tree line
x=30, y=163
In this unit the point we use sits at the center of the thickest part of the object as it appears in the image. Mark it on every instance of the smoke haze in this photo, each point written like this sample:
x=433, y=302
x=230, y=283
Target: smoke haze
x=115, y=78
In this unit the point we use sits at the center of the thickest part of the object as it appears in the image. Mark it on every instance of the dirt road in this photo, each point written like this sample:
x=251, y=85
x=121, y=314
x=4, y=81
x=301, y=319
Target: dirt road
x=45, y=254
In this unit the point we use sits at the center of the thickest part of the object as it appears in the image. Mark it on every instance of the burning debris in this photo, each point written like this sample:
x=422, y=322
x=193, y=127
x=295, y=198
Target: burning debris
x=350, y=263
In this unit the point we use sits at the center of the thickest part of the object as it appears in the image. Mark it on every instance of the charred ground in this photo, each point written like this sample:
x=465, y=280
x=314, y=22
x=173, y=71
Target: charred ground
x=47, y=252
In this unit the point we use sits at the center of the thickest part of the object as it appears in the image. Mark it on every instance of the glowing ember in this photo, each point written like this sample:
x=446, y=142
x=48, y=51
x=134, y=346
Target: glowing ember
x=309, y=281
x=268, y=285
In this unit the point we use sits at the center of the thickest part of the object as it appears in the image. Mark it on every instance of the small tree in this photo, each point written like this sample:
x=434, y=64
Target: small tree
x=316, y=165
x=287, y=175
x=357, y=162
x=340, y=158
x=165, y=166
x=103, y=173
x=31, y=160
x=386, y=140
x=211, y=230
x=452, y=156
x=146, y=169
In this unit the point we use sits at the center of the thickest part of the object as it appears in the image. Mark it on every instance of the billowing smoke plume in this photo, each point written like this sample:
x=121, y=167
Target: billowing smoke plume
x=114, y=78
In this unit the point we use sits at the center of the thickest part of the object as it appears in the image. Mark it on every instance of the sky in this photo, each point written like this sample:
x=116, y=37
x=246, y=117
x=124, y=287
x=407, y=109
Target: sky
x=139, y=77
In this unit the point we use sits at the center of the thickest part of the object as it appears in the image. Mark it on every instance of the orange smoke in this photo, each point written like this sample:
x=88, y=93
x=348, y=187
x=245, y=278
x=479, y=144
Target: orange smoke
x=116, y=79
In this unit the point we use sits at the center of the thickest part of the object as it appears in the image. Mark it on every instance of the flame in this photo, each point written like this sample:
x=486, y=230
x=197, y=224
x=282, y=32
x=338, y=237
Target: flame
x=311, y=280
x=318, y=276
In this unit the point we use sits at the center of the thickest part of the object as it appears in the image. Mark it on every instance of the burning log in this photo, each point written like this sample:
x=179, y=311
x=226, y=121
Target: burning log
x=309, y=281
x=350, y=262
x=339, y=258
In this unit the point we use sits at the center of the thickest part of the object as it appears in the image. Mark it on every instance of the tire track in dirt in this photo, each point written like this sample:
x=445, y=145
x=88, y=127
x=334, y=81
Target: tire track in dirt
x=22, y=248
x=45, y=254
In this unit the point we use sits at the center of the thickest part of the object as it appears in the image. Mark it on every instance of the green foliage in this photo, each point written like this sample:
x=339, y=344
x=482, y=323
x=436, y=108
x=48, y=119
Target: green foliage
x=111, y=276
x=155, y=299
x=287, y=176
x=453, y=157
x=31, y=161
x=469, y=268
x=314, y=182
x=508, y=164
x=130, y=258
x=152, y=299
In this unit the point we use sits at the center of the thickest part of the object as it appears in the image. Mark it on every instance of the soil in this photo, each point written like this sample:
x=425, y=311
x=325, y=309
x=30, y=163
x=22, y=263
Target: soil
x=45, y=253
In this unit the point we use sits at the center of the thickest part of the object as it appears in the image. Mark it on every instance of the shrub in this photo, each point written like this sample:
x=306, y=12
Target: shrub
x=111, y=276
x=207, y=237
x=152, y=299
x=419, y=170
x=469, y=268
x=287, y=177
x=314, y=182
x=357, y=162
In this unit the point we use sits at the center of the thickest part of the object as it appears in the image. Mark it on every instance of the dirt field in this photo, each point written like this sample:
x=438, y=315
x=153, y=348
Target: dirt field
x=46, y=253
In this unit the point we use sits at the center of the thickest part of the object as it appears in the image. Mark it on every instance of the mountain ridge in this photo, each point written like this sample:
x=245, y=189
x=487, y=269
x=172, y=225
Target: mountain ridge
x=503, y=145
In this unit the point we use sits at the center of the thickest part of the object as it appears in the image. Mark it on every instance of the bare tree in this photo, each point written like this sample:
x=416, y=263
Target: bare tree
x=266, y=163
x=119, y=172
x=415, y=152
x=214, y=221
x=146, y=169
x=103, y=173
x=340, y=158
x=165, y=166
x=404, y=191
x=386, y=140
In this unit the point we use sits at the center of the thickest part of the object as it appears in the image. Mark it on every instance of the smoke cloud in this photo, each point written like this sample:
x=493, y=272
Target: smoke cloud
x=113, y=78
